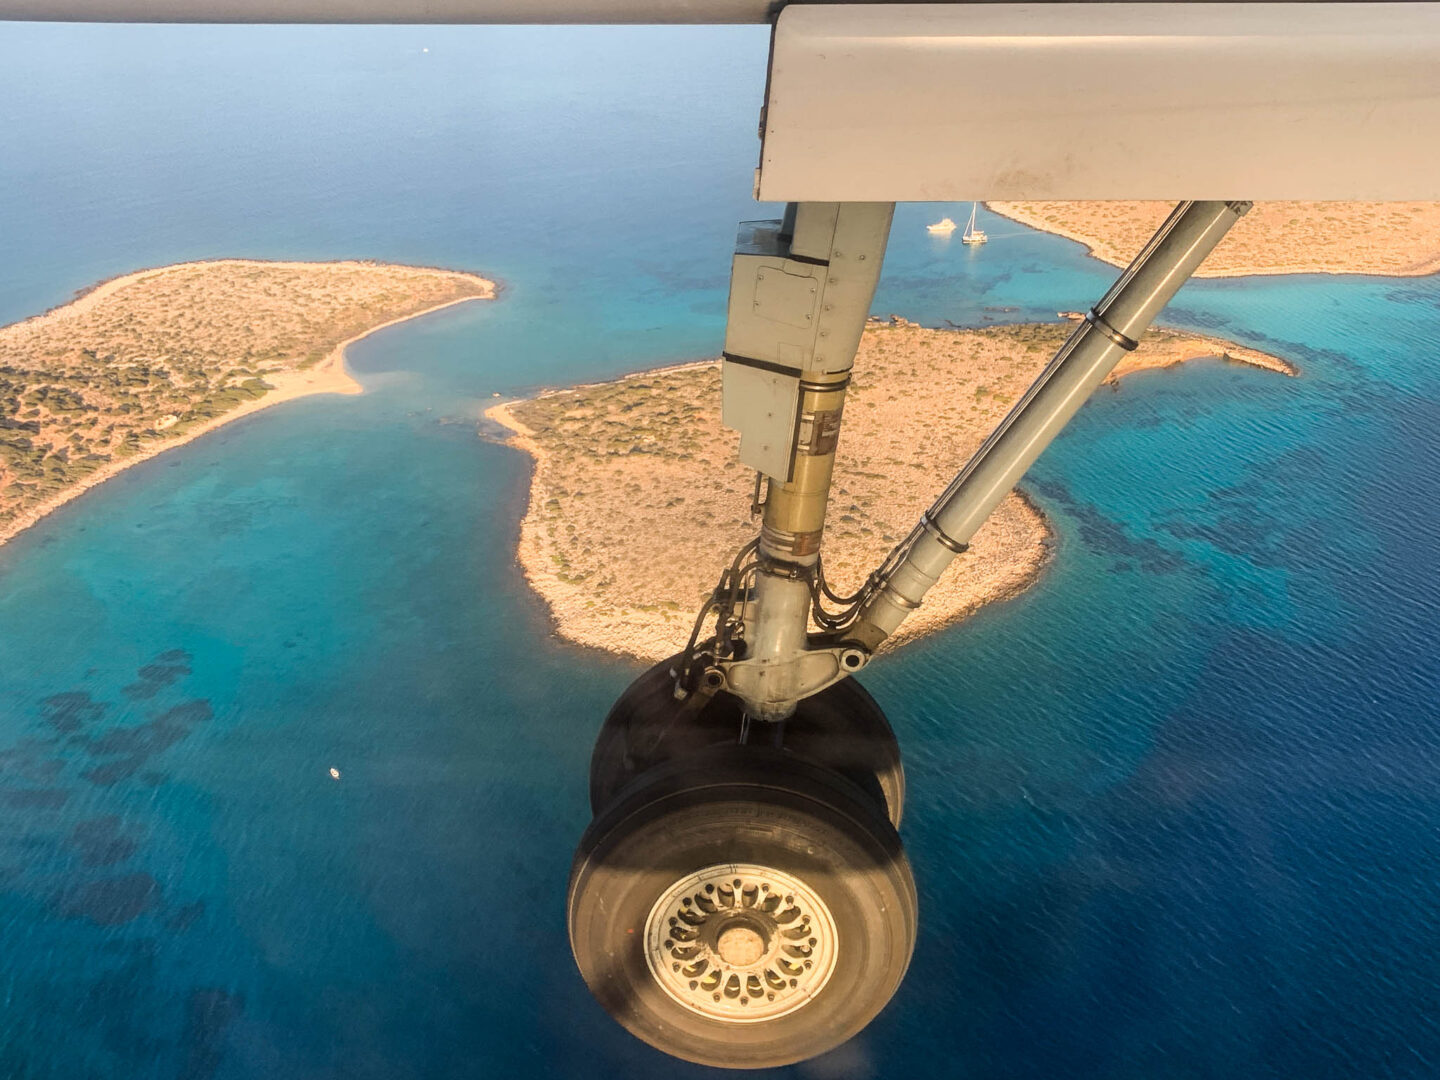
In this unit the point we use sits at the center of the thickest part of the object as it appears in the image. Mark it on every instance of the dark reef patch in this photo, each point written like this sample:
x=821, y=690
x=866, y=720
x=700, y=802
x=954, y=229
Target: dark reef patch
x=133, y=746
x=34, y=798
x=68, y=712
x=141, y=690
x=111, y=901
x=113, y=772
x=209, y=1013
x=31, y=762
x=101, y=842
x=165, y=670
x=184, y=917
x=142, y=740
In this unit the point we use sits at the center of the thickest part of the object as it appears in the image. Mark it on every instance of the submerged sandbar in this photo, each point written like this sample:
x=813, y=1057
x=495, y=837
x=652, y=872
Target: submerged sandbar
x=1390, y=239
x=146, y=362
x=637, y=495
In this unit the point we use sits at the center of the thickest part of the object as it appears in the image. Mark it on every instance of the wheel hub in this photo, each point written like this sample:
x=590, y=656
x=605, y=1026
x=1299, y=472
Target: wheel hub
x=740, y=943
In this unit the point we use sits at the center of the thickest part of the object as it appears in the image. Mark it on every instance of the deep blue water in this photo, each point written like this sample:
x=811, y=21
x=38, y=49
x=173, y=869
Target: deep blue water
x=1175, y=812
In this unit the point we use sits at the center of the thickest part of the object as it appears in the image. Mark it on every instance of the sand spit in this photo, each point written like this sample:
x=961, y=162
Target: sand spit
x=1389, y=239
x=637, y=498
x=149, y=361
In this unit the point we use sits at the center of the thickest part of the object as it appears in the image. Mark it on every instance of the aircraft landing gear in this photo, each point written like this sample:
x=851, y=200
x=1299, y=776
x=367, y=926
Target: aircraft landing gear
x=741, y=898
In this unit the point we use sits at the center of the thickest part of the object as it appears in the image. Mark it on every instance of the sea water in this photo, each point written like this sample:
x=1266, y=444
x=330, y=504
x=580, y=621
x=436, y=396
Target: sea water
x=1173, y=812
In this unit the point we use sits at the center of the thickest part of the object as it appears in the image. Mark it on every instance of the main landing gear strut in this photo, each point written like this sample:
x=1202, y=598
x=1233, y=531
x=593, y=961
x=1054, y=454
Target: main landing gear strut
x=742, y=898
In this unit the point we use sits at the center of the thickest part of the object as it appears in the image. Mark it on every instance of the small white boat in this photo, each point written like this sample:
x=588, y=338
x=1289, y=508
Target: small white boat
x=971, y=235
x=944, y=225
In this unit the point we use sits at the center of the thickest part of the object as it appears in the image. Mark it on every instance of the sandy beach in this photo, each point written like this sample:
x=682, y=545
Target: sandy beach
x=305, y=362
x=636, y=498
x=1387, y=239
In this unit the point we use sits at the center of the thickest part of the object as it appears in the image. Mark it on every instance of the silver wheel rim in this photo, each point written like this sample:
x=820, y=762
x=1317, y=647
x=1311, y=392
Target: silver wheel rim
x=740, y=943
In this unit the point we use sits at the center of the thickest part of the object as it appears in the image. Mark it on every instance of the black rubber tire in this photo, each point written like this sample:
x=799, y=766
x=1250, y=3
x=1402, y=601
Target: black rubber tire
x=743, y=805
x=841, y=728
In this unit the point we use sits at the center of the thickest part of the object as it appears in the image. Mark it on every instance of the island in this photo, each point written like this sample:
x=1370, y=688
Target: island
x=146, y=362
x=637, y=497
x=1400, y=239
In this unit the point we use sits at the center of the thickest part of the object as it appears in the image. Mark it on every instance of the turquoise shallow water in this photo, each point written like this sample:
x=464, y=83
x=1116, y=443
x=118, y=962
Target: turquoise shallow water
x=1173, y=812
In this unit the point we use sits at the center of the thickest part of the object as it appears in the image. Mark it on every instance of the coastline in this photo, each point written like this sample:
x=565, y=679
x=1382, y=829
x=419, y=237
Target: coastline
x=92, y=294
x=1009, y=556
x=1159, y=358
x=950, y=601
x=329, y=376
x=1227, y=261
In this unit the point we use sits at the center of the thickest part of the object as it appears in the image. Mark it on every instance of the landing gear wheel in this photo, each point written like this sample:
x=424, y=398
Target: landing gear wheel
x=742, y=908
x=841, y=728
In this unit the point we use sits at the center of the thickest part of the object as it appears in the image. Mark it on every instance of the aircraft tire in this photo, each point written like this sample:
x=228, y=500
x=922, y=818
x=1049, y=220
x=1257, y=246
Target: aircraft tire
x=790, y=963
x=841, y=728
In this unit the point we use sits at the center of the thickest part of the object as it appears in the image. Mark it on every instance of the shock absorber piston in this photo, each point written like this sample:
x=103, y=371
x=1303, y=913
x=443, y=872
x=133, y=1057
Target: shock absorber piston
x=800, y=294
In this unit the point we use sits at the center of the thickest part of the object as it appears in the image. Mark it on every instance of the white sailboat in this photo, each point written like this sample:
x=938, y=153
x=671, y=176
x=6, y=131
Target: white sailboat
x=972, y=235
